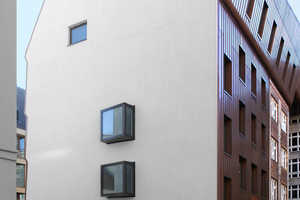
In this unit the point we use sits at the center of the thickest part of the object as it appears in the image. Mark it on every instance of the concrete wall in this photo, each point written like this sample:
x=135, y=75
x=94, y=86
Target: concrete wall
x=157, y=55
x=8, y=100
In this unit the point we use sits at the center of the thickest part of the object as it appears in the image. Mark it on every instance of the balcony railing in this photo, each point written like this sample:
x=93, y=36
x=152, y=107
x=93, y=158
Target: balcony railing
x=21, y=183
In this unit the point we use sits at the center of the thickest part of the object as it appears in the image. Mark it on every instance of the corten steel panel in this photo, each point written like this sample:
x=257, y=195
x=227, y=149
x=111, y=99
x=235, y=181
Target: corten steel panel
x=287, y=27
x=283, y=139
x=284, y=176
x=264, y=161
x=230, y=39
x=228, y=168
x=274, y=169
x=274, y=129
x=255, y=155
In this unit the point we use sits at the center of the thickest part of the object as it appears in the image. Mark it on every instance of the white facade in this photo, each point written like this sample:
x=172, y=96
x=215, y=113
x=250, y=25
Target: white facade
x=8, y=155
x=160, y=56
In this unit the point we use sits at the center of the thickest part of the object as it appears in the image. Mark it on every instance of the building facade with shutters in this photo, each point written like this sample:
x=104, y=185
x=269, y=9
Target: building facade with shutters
x=207, y=86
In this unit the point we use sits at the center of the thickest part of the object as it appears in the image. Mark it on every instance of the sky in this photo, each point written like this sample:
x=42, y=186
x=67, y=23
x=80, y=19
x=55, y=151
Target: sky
x=27, y=14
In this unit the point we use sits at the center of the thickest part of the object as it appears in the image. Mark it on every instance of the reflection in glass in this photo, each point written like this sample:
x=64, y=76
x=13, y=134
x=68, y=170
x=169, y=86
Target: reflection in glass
x=20, y=176
x=129, y=121
x=113, y=179
x=78, y=34
x=129, y=179
x=112, y=123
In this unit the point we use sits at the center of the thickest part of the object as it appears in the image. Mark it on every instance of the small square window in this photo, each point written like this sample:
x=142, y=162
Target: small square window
x=118, y=179
x=78, y=33
x=117, y=123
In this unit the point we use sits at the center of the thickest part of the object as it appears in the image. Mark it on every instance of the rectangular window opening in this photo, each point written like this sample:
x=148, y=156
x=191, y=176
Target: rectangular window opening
x=274, y=109
x=253, y=128
x=254, y=178
x=227, y=135
x=286, y=65
x=263, y=138
x=263, y=18
x=250, y=7
x=273, y=189
x=242, y=118
x=253, y=79
x=279, y=52
x=227, y=75
x=292, y=76
x=263, y=92
x=78, y=33
x=273, y=150
x=242, y=63
x=272, y=36
x=264, y=183
x=227, y=188
x=243, y=173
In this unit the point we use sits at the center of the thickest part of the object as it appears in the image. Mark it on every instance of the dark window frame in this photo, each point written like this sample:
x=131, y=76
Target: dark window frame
x=71, y=28
x=250, y=7
x=263, y=18
x=124, y=193
x=122, y=137
x=242, y=64
x=227, y=76
x=272, y=37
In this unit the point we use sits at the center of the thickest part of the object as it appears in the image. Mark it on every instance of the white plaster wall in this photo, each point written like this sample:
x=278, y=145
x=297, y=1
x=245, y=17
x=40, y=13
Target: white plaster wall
x=8, y=100
x=157, y=55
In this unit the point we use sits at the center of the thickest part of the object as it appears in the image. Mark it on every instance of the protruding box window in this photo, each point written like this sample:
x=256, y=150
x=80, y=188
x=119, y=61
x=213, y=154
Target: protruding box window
x=263, y=18
x=250, y=8
x=118, y=179
x=78, y=32
x=242, y=65
x=117, y=123
x=227, y=75
x=272, y=36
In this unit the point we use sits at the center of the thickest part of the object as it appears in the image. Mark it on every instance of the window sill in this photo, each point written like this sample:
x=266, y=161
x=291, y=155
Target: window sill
x=242, y=81
x=227, y=154
x=253, y=96
x=242, y=135
x=259, y=37
x=253, y=144
x=243, y=190
x=76, y=43
x=263, y=107
x=227, y=94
